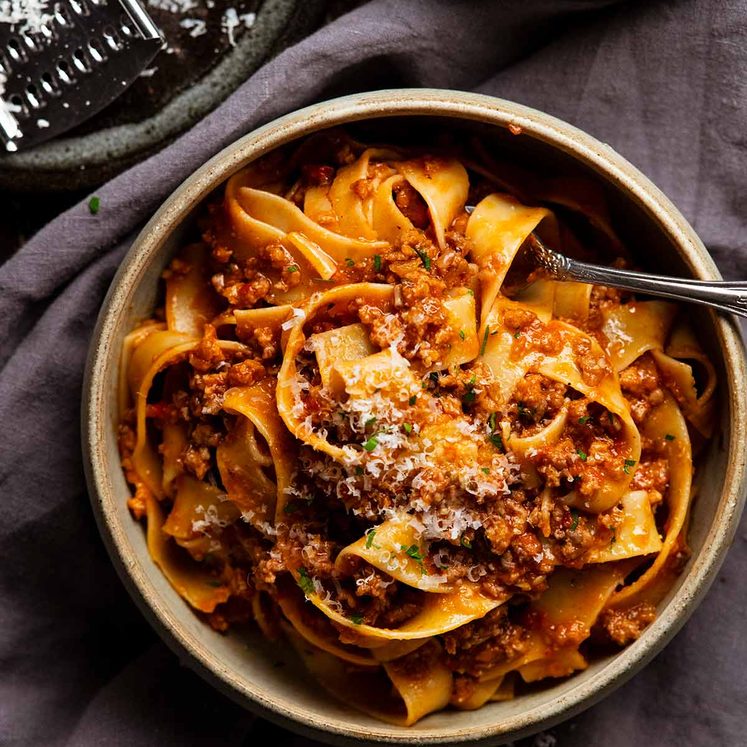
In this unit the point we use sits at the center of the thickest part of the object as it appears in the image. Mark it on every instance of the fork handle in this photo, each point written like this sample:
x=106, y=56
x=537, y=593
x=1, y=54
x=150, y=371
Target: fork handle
x=726, y=296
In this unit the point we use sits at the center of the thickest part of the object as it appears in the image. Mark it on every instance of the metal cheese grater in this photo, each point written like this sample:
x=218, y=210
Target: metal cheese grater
x=84, y=55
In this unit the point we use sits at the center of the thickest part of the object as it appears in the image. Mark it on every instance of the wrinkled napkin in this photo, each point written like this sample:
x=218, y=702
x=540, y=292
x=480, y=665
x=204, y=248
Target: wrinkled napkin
x=665, y=83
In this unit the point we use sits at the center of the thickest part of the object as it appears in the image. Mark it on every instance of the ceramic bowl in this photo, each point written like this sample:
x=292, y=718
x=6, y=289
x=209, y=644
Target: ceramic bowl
x=241, y=664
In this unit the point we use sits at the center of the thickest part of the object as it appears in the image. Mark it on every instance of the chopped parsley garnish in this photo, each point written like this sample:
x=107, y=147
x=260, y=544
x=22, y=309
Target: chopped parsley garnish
x=407, y=427
x=491, y=420
x=574, y=523
x=464, y=542
x=628, y=464
x=583, y=420
x=517, y=334
x=292, y=268
x=670, y=437
x=433, y=376
x=614, y=537
x=349, y=262
x=581, y=454
x=359, y=470
x=94, y=204
x=424, y=258
x=524, y=411
x=497, y=440
x=413, y=551
x=371, y=444
x=469, y=396
x=370, y=421
x=485, y=470
x=305, y=582
x=484, y=341
x=377, y=262
x=356, y=619
x=461, y=334
x=413, y=399
x=370, y=539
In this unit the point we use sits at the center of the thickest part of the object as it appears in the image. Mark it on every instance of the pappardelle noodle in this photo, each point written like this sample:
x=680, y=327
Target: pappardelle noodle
x=361, y=420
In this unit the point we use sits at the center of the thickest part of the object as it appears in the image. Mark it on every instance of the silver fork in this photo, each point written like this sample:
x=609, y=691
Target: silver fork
x=725, y=296
x=71, y=64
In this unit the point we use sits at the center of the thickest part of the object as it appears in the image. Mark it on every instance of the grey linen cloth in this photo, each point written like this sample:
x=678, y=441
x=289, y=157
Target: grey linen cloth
x=665, y=83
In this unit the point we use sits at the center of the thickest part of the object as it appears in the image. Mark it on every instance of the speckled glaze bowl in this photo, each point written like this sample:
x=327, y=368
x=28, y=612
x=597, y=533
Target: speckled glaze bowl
x=241, y=664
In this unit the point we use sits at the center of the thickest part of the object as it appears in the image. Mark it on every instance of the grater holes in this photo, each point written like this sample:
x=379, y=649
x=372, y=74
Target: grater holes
x=79, y=7
x=112, y=38
x=33, y=96
x=30, y=42
x=64, y=72
x=49, y=84
x=62, y=14
x=16, y=52
x=18, y=105
x=81, y=61
x=96, y=50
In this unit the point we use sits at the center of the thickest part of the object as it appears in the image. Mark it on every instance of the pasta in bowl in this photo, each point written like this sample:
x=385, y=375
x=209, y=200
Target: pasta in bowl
x=361, y=422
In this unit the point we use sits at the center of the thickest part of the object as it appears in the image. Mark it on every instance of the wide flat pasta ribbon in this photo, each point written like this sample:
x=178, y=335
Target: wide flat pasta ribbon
x=497, y=228
x=399, y=692
x=189, y=578
x=571, y=597
x=241, y=463
x=666, y=425
x=563, y=367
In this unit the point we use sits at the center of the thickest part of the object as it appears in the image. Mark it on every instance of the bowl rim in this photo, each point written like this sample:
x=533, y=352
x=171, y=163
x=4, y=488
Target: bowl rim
x=456, y=105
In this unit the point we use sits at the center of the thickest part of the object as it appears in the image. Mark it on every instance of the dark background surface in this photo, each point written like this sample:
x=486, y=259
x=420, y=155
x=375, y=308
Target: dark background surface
x=664, y=82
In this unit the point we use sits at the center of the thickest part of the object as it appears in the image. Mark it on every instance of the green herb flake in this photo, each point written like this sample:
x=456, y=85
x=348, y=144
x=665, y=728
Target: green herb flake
x=484, y=341
x=497, y=440
x=584, y=420
x=371, y=444
x=517, y=334
x=356, y=619
x=491, y=420
x=581, y=454
x=614, y=537
x=359, y=470
x=377, y=262
x=461, y=334
x=628, y=464
x=305, y=582
x=464, y=542
x=407, y=427
x=424, y=258
x=413, y=551
x=485, y=470
x=349, y=262
x=293, y=268
x=470, y=291
x=469, y=396
x=574, y=523
x=369, y=422
x=94, y=205
x=669, y=437
x=370, y=539
x=413, y=399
